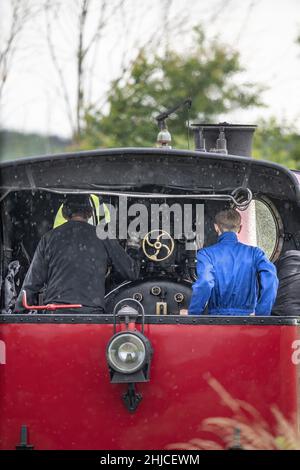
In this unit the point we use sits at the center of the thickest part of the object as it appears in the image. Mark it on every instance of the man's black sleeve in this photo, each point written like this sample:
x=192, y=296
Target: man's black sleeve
x=125, y=265
x=35, y=278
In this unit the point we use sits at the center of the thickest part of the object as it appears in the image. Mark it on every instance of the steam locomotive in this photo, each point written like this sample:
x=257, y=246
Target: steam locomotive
x=136, y=377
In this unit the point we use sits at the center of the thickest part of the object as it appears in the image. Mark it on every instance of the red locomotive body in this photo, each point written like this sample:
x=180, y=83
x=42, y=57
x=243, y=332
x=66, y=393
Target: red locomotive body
x=55, y=380
x=60, y=382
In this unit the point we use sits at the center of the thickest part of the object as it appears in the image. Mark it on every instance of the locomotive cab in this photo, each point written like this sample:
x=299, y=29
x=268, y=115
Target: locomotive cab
x=136, y=376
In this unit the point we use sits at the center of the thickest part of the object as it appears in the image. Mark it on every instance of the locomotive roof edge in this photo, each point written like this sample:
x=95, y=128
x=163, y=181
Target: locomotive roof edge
x=137, y=151
x=143, y=152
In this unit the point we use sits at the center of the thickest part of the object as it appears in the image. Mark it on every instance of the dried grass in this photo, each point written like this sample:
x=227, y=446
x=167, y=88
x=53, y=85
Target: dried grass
x=246, y=429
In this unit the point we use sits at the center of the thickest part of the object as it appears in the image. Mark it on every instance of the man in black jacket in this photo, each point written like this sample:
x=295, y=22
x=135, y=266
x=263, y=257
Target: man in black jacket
x=288, y=295
x=71, y=262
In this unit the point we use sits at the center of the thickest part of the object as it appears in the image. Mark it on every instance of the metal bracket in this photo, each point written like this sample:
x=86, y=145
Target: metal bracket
x=236, y=445
x=131, y=398
x=24, y=439
x=161, y=308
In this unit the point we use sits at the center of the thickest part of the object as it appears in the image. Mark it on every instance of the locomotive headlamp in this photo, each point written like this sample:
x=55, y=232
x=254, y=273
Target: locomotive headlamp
x=128, y=356
x=129, y=352
x=126, y=352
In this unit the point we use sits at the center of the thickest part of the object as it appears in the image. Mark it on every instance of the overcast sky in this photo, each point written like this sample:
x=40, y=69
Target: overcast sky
x=263, y=31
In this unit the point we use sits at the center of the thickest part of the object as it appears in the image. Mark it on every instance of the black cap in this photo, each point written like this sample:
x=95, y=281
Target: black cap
x=77, y=203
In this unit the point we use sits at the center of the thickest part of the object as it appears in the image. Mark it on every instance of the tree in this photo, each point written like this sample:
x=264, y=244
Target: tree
x=78, y=32
x=277, y=142
x=89, y=21
x=206, y=74
x=18, y=14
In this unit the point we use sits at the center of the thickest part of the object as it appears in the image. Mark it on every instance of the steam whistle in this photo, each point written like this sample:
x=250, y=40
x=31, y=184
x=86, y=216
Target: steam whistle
x=222, y=142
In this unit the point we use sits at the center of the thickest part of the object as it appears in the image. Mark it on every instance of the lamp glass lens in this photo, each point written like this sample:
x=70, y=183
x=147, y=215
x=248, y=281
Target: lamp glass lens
x=126, y=353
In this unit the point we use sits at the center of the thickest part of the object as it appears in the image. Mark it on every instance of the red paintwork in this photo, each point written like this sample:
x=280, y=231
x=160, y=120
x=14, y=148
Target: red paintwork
x=247, y=234
x=56, y=381
x=48, y=306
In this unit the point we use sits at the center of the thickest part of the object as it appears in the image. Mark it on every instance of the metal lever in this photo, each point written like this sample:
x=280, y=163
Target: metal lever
x=46, y=307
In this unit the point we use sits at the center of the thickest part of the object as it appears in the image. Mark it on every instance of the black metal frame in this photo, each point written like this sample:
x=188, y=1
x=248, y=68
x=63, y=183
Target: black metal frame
x=150, y=319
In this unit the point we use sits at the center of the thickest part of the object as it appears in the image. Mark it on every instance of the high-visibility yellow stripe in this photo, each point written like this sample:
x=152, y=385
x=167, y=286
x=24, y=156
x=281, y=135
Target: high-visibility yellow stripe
x=60, y=220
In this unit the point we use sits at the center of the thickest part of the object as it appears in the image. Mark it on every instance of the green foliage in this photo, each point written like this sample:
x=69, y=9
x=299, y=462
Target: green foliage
x=277, y=142
x=17, y=144
x=206, y=74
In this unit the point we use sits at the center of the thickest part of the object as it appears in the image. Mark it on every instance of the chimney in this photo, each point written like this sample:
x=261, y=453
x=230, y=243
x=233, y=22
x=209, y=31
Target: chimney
x=236, y=137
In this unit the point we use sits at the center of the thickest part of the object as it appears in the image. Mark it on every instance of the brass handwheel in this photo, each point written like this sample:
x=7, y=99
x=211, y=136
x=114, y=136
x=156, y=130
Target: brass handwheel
x=154, y=248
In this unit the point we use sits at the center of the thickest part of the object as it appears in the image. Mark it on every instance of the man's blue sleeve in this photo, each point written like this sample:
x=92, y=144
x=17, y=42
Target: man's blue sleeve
x=268, y=284
x=203, y=286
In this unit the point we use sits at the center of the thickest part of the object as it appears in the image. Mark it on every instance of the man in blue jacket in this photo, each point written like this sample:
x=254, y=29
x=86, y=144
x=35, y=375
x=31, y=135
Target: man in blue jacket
x=233, y=278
